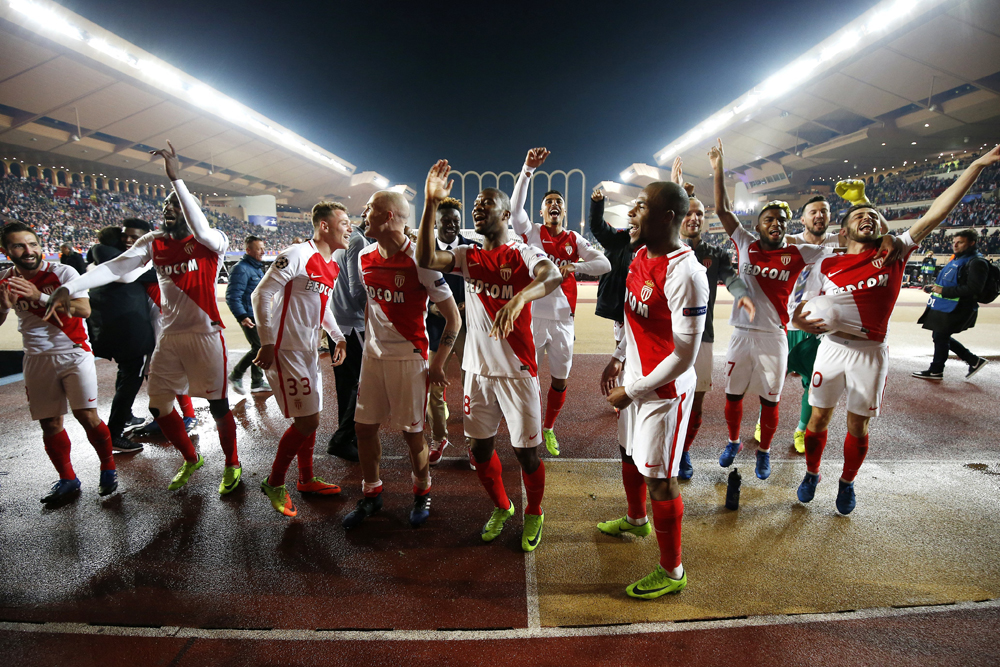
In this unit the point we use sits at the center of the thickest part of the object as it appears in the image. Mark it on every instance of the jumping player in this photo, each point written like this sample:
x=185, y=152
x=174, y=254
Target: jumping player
x=758, y=351
x=501, y=373
x=861, y=291
x=299, y=285
x=666, y=302
x=394, y=370
x=58, y=362
x=190, y=355
x=552, y=316
x=718, y=267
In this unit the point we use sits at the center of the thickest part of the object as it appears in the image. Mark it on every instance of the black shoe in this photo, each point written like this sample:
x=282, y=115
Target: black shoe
x=366, y=507
x=134, y=422
x=421, y=509
x=347, y=451
x=976, y=367
x=123, y=445
x=928, y=375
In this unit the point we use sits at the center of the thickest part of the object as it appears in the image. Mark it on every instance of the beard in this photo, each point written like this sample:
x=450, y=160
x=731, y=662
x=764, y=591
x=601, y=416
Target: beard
x=28, y=262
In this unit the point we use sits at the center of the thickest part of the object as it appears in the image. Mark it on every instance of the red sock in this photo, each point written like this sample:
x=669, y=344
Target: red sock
x=57, y=447
x=553, y=404
x=534, y=485
x=855, y=450
x=768, y=424
x=100, y=438
x=694, y=425
x=173, y=427
x=734, y=417
x=635, y=490
x=417, y=491
x=490, y=475
x=667, y=515
x=289, y=445
x=815, y=444
x=374, y=492
x=187, y=407
x=227, y=438
x=305, y=457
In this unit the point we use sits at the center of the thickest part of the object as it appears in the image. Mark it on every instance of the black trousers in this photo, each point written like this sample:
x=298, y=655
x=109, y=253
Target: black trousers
x=347, y=376
x=127, y=385
x=944, y=342
x=256, y=374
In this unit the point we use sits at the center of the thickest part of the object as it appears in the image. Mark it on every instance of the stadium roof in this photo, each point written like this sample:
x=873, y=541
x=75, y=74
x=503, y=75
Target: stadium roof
x=906, y=81
x=77, y=91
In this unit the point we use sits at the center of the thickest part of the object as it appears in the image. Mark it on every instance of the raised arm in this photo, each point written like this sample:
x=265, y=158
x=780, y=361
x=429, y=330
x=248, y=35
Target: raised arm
x=949, y=199
x=212, y=239
x=436, y=189
x=722, y=206
x=519, y=218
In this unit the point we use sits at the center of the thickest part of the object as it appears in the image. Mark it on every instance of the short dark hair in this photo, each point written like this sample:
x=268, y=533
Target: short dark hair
x=501, y=196
x=671, y=196
x=13, y=228
x=971, y=235
x=250, y=239
x=813, y=200
x=111, y=236
x=324, y=209
x=847, y=213
x=553, y=192
x=450, y=202
x=137, y=223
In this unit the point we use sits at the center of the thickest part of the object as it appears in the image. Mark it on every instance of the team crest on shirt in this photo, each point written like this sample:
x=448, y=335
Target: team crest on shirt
x=400, y=278
x=506, y=271
x=786, y=259
x=298, y=403
x=647, y=291
x=568, y=248
x=878, y=262
x=189, y=247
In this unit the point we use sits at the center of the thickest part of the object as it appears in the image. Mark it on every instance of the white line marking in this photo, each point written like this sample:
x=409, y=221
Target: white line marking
x=530, y=578
x=477, y=635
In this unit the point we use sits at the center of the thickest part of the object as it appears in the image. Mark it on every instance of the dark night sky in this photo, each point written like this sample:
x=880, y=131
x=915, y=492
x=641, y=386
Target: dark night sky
x=392, y=86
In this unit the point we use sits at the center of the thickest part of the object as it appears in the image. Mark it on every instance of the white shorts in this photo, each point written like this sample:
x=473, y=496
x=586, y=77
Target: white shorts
x=858, y=366
x=556, y=337
x=652, y=433
x=189, y=363
x=297, y=381
x=392, y=392
x=703, y=367
x=52, y=379
x=487, y=399
x=756, y=363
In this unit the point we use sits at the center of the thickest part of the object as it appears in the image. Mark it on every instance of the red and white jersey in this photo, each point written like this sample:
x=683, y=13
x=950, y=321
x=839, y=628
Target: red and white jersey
x=294, y=298
x=398, y=290
x=492, y=278
x=862, y=289
x=770, y=277
x=39, y=336
x=187, y=272
x=561, y=249
x=663, y=296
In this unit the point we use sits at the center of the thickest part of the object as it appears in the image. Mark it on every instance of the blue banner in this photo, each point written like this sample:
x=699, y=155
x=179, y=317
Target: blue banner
x=268, y=221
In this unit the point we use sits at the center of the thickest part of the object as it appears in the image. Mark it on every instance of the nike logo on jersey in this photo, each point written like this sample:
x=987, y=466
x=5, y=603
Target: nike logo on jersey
x=535, y=435
x=833, y=273
x=415, y=423
x=315, y=277
x=656, y=466
x=91, y=400
x=473, y=263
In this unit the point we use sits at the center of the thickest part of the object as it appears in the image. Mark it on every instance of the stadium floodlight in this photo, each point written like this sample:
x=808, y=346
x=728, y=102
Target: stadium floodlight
x=889, y=13
x=47, y=18
x=381, y=181
x=161, y=74
x=627, y=174
x=121, y=55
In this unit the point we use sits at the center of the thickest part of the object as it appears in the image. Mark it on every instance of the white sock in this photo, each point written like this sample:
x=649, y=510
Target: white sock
x=637, y=522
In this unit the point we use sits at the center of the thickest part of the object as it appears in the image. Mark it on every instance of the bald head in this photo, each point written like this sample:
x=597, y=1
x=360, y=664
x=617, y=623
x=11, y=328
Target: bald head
x=395, y=202
x=663, y=196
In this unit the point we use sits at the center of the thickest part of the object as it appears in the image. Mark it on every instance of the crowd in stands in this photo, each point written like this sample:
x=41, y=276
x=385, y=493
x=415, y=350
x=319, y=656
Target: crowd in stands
x=75, y=215
x=939, y=242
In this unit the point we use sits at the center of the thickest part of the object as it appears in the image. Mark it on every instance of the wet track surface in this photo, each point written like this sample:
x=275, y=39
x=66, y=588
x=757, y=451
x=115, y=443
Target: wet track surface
x=150, y=560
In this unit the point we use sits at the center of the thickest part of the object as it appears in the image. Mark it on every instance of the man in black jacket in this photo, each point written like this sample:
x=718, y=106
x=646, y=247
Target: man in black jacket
x=123, y=331
x=611, y=286
x=70, y=257
x=954, y=305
